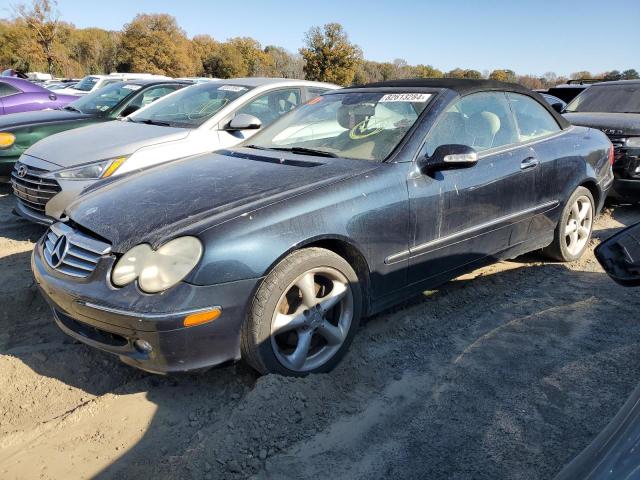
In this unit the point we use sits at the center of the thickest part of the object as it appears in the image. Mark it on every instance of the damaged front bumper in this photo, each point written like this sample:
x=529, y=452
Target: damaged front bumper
x=146, y=331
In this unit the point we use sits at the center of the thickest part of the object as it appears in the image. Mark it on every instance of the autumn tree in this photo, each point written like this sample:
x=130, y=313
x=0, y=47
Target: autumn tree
x=284, y=64
x=329, y=55
x=43, y=23
x=226, y=62
x=154, y=43
x=426, y=71
x=505, y=75
x=581, y=74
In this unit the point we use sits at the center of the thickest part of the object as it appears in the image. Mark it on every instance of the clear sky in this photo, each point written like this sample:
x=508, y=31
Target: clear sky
x=529, y=37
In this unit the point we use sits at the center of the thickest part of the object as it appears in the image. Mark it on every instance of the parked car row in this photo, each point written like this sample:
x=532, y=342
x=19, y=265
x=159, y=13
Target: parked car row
x=320, y=206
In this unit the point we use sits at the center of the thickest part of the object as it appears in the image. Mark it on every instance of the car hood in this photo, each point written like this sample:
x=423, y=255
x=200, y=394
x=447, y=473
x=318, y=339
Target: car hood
x=621, y=123
x=99, y=142
x=29, y=119
x=188, y=195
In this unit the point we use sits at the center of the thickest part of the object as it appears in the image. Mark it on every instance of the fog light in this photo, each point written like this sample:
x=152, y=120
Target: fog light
x=143, y=346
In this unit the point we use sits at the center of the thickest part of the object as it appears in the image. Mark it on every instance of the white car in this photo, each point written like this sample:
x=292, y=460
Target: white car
x=91, y=83
x=197, y=119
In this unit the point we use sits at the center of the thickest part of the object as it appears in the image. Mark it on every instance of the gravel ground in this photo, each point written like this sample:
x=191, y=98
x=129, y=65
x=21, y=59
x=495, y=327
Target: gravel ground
x=505, y=373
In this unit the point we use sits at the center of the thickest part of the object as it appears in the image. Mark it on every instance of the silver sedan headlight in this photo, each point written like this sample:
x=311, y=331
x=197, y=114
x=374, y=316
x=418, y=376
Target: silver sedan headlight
x=102, y=169
x=158, y=270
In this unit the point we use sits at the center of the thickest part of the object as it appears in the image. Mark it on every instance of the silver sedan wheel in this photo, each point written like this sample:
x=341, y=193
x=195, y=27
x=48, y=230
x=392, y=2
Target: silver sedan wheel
x=578, y=227
x=312, y=319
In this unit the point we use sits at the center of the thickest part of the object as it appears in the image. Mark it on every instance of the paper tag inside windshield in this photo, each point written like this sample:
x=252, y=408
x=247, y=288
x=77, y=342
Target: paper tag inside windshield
x=232, y=88
x=406, y=97
x=132, y=87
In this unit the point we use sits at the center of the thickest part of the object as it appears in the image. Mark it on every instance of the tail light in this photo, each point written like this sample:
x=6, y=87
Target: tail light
x=612, y=157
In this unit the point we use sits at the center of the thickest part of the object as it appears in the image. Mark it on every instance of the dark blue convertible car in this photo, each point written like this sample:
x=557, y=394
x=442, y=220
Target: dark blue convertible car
x=272, y=252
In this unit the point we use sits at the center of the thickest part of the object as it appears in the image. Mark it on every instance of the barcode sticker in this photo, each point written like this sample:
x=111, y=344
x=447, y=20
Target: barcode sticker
x=406, y=97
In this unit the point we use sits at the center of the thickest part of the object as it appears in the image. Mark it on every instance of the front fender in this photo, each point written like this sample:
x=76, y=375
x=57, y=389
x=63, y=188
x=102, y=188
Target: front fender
x=368, y=212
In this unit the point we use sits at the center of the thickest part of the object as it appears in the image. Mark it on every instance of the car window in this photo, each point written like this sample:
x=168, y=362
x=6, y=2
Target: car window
x=364, y=126
x=615, y=98
x=270, y=106
x=6, y=90
x=103, y=99
x=534, y=121
x=86, y=84
x=191, y=106
x=481, y=120
x=315, y=91
x=152, y=94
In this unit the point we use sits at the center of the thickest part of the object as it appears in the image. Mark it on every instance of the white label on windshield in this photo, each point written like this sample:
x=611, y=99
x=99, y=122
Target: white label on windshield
x=132, y=87
x=406, y=97
x=232, y=88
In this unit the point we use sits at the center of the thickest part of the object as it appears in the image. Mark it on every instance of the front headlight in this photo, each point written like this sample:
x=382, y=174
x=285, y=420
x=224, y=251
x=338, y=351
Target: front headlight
x=633, y=142
x=102, y=169
x=157, y=270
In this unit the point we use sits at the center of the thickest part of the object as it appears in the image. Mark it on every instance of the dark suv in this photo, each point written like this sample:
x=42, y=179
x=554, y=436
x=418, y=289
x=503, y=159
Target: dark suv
x=614, y=108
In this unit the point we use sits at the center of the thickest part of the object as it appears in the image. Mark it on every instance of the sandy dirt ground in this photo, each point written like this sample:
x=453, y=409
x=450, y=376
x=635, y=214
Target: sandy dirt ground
x=506, y=373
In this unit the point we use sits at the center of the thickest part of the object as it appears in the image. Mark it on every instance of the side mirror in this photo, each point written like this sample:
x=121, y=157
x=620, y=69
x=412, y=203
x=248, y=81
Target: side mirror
x=128, y=110
x=619, y=255
x=448, y=157
x=558, y=107
x=243, y=121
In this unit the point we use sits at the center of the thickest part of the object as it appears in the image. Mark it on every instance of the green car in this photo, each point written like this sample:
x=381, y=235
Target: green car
x=18, y=131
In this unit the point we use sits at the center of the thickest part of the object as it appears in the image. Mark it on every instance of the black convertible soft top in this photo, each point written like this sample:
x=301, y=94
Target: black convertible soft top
x=464, y=86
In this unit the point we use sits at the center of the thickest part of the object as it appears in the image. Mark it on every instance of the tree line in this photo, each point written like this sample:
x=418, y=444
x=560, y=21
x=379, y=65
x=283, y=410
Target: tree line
x=35, y=38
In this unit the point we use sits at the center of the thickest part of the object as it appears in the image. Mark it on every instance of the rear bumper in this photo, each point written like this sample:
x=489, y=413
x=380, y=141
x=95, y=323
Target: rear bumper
x=101, y=316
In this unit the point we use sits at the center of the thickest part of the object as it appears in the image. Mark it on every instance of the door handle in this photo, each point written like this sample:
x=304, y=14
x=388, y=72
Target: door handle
x=529, y=162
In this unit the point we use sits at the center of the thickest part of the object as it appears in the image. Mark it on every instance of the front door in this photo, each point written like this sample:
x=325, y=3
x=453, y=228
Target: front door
x=466, y=215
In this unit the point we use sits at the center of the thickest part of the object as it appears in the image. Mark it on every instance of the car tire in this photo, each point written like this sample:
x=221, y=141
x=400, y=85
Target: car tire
x=311, y=300
x=573, y=232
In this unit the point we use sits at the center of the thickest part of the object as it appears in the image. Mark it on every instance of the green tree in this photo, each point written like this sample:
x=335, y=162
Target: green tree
x=329, y=55
x=612, y=75
x=226, y=62
x=474, y=74
x=154, y=43
x=630, y=74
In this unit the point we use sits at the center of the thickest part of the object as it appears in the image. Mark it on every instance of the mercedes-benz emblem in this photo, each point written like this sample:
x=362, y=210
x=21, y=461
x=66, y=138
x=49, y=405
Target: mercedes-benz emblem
x=22, y=171
x=59, y=251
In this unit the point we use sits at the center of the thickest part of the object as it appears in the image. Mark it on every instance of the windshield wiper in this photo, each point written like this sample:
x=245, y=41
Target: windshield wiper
x=71, y=108
x=304, y=151
x=148, y=121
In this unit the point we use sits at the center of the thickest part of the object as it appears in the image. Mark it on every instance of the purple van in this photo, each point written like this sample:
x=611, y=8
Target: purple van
x=18, y=95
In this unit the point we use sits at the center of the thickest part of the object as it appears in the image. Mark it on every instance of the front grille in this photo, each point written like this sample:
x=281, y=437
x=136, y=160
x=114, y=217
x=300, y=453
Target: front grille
x=72, y=252
x=32, y=190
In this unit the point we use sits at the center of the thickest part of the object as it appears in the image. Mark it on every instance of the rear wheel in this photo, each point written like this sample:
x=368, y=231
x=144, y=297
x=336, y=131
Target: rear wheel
x=573, y=231
x=304, y=314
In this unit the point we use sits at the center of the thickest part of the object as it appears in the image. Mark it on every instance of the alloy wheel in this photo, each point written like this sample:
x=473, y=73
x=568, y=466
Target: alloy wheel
x=578, y=227
x=312, y=319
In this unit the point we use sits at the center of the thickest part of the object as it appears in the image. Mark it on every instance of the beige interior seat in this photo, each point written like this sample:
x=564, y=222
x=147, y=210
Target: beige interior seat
x=482, y=128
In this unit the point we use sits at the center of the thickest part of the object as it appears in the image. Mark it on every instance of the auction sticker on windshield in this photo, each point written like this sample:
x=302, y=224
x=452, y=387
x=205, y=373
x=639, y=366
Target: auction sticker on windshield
x=406, y=97
x=132, y=87
x=232, y=88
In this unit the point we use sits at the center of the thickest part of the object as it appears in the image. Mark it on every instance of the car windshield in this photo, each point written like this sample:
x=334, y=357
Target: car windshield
x=190, y=107
x=86, y=84
x=363, y=126
x=103, y=99
x=614, y=98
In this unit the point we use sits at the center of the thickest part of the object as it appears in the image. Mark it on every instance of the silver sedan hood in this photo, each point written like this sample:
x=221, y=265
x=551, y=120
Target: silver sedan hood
x=102, y=141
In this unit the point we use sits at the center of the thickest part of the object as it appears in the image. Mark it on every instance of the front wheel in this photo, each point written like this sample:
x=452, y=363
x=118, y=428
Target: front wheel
x=304, y=314
x=574, y=229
